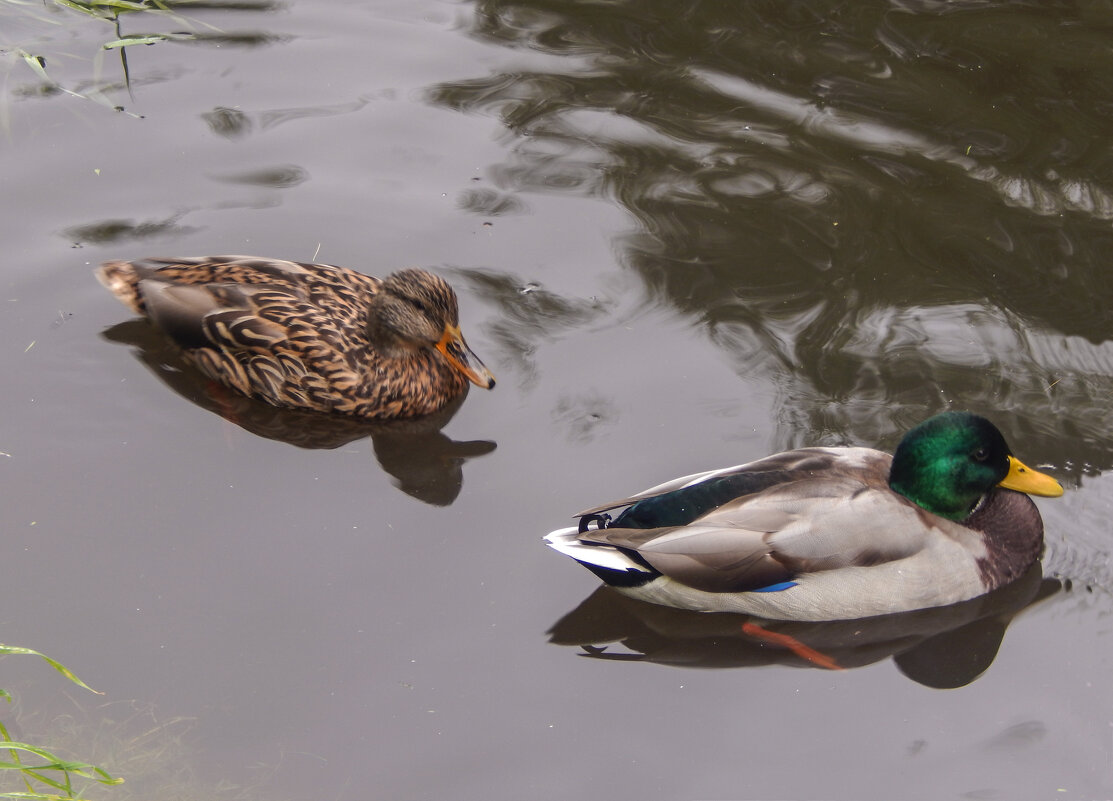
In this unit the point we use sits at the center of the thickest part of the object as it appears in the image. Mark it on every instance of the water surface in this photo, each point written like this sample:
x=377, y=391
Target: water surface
x=684, y=236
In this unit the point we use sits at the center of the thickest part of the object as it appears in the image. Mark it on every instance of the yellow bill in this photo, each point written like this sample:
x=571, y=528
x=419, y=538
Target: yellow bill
x=1024, y=479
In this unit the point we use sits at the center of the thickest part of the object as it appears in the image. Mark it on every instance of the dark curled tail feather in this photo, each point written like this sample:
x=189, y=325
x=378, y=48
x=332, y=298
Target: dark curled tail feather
x=601, y=521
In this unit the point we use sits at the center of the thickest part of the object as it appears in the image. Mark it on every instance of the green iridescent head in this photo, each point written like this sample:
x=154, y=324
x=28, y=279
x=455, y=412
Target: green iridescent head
x=949, y=462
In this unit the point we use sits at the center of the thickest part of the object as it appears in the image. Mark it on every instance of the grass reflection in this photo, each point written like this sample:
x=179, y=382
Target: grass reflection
x=37, y=54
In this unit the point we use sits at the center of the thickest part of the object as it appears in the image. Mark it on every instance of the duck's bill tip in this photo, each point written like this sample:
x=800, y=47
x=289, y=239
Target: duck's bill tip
x=481, y=377
x=1024, y=479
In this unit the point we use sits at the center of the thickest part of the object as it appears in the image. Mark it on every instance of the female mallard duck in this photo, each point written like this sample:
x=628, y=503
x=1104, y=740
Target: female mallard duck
x=828, y=533
x=308, y=336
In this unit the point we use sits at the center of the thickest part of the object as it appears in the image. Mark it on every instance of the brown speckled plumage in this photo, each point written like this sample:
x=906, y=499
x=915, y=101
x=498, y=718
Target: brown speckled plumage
x=308, y=336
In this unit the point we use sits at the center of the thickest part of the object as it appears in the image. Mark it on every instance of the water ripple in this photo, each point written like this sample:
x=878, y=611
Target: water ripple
x=872, y=207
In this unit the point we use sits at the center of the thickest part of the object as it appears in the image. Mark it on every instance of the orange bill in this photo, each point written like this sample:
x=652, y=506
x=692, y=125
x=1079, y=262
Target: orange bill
x=460, y=356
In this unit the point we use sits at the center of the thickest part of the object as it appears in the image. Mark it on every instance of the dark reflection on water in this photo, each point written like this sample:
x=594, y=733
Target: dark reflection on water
x=231, y=123
x=234, y=123
x=104, y=232
x=231, y=5
x=236, y=38
x=945, y=648
x=488, y=202
x=528, y=315
x=849, y=199
x=283, y=176
x=424, y=462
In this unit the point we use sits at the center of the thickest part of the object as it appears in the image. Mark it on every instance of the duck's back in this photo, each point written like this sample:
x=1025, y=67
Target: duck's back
x=683, y=500
x=339, y=292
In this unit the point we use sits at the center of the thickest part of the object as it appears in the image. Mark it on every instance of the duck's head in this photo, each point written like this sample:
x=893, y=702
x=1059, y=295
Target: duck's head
x=416, y=309
x=949, y=462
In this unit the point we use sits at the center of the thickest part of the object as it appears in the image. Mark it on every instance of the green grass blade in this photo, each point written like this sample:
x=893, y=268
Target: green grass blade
x=52, y=762
x=84, y=8
x=65, y=671
x=37, y=65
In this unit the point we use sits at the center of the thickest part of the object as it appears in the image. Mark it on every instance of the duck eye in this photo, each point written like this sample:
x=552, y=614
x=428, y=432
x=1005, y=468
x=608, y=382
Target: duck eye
x=981, y=454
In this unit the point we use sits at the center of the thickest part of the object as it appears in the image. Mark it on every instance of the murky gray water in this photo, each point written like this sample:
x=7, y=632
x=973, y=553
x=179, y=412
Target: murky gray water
x=684, y=236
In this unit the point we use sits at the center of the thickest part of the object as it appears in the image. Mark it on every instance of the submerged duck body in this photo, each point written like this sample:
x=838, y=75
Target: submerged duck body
x=308, y=336
x=827, y=533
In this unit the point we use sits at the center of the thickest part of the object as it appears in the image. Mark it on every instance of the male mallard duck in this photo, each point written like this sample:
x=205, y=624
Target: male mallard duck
x=828, y=533
x=308, y=336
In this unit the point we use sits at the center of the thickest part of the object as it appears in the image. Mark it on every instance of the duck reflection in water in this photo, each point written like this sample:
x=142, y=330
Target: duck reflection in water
x=944, y=647
x=425, y=463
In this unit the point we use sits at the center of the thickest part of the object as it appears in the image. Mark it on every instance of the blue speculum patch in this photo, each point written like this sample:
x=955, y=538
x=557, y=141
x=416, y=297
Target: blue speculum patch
x=784, y=585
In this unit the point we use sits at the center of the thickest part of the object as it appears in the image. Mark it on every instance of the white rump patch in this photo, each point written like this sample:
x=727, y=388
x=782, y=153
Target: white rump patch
x=566, y=540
